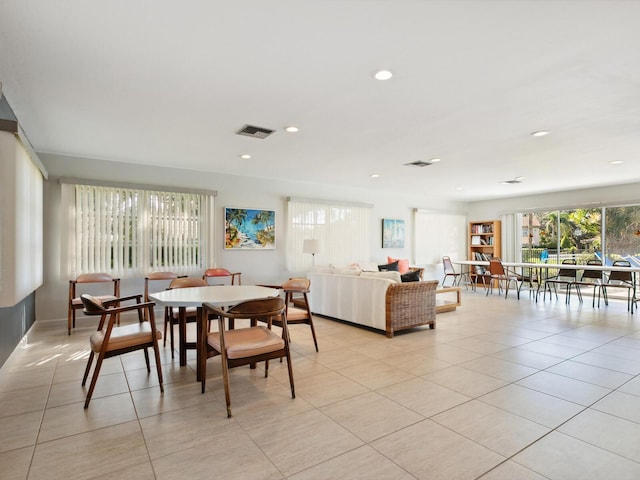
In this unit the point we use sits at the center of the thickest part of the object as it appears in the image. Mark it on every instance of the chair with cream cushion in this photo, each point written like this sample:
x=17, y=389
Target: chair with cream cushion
x=110, y=340
x=85, y=279
x=246, y=346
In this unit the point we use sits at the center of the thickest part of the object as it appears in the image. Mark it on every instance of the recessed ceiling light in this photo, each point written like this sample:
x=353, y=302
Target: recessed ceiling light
x=383, y=75
x=245, y=156
x=374, y=175
x=616, y=162
x=459, y=188
x=540, y=133
x=519, y=179
x=434, y=160
x=292, y=129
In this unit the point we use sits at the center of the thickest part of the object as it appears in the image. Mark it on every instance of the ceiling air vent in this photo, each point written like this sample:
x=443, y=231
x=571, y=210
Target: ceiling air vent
x=418, y=163
x=255, y=132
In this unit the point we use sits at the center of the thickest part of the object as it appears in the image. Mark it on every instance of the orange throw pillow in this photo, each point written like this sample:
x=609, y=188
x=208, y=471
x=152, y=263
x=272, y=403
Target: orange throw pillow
x=403, y=264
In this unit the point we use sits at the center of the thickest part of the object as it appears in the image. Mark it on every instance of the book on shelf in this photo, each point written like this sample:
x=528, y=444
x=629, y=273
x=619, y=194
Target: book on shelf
x=476, y=240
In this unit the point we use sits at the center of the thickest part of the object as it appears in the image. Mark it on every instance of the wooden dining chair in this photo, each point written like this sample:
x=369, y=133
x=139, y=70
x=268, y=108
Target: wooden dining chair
x=155, y=277
x=297, y=308
x=110, y=340
x=85, y=279
x=222, y=273
x=246, y=346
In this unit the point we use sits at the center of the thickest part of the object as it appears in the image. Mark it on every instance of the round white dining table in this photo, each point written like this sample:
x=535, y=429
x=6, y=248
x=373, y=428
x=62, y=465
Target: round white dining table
x=218, y=295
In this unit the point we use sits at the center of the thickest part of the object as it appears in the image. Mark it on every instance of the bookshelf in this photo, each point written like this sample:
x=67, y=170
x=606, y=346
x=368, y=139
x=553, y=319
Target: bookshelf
x=484, y=240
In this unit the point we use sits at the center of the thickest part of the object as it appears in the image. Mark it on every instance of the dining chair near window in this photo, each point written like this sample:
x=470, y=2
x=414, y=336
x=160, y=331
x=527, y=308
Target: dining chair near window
x=111, y=340
x=84, y=280
x=532, y=277
x=620, y=280
x=246, y=346
x=450, y=272
x=155, y=277
x=220, y=273
x=592, y=278
x=565, y=276
x=500, y=275
x=172, y=317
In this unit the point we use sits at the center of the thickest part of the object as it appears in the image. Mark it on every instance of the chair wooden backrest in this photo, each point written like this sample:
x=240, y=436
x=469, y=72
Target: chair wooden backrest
x=222, y=272
x=110, y=340
x=75, y=302
x=157, y=276
x=246, y=346
x=297, y=307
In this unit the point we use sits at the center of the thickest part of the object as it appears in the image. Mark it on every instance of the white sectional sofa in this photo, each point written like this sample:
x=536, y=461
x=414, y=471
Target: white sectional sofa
x=373, y=300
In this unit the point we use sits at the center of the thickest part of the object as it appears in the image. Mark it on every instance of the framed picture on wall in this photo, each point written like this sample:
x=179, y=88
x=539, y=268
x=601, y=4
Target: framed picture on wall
x=392, y=233
x=249, y=229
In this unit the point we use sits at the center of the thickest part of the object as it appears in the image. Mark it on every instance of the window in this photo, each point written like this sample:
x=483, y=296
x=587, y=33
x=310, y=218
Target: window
x=131, y=231
x=342, y=230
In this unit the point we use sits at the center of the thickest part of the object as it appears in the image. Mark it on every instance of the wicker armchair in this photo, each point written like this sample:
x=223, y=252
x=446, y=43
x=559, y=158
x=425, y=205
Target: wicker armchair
x=410, y=305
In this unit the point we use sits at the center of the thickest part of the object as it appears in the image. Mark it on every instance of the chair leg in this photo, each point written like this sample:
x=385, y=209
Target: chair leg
x=94, y=379
x=313, y=334
x=171, y=324
x=225, y=377
x=290, y=368
x=146, y=359
x=88, y=368
x=156, y=352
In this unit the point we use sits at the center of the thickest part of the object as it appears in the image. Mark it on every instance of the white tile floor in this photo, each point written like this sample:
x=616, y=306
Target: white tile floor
x=501, y=389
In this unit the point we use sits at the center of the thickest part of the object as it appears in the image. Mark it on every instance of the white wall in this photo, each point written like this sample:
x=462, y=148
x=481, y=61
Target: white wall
x=233, y=191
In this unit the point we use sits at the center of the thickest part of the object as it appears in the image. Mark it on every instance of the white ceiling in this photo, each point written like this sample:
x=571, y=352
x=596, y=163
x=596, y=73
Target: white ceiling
x=168, y=83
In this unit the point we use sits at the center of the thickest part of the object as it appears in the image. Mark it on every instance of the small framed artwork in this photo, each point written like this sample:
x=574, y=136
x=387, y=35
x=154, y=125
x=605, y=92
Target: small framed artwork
x=392, y=233
x=249, y=229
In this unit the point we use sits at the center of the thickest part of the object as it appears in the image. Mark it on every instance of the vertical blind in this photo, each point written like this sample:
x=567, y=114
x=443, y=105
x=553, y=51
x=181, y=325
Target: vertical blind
x=342, y=229
x=127, y=231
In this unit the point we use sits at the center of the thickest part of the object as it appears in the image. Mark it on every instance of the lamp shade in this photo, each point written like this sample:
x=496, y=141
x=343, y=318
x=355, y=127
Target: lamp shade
x=311, y=246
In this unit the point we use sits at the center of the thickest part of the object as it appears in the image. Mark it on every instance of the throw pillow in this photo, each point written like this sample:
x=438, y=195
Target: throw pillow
x=389, y=267
x=403, y=263
x=411, y=276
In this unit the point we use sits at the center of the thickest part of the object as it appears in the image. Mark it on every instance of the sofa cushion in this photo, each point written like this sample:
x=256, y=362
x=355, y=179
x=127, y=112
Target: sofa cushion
x=390, y=275
x=411, y=276
x=389, y=267
x=403, y=264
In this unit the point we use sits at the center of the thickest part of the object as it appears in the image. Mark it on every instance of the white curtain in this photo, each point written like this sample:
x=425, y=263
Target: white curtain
x=342, y=229
x=512, y=237
x=21, y=220
x=438, y=234
x=128, y=231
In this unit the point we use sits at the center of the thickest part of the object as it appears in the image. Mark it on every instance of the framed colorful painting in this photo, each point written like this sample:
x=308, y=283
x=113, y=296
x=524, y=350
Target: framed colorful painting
x=249, y=229
x=392, y=233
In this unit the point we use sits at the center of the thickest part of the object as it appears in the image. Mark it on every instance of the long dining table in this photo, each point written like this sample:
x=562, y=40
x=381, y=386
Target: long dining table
x=218, y=295
x=543, y=269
